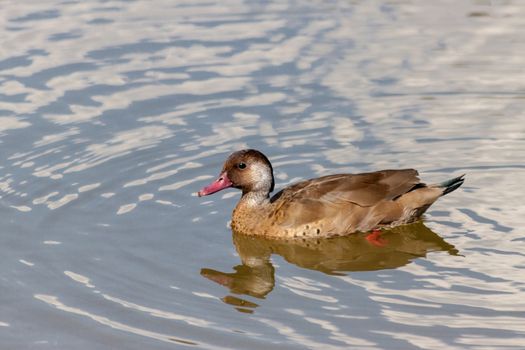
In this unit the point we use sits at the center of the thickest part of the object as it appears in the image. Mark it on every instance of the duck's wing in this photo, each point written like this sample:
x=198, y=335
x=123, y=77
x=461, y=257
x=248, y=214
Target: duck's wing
x=333, y=197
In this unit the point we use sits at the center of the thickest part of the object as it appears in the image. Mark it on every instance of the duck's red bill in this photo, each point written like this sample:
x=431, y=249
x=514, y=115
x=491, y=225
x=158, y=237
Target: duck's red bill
x=220, y=184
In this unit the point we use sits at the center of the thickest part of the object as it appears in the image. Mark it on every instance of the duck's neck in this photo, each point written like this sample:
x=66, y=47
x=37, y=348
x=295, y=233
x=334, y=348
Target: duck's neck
x=254, y=199
x=250, y=211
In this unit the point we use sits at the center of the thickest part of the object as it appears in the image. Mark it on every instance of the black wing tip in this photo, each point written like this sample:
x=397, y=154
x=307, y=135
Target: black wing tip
x=452, y=184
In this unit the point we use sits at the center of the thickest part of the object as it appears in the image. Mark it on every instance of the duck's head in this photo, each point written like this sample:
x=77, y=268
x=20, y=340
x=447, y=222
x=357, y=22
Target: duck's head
x=248, y=170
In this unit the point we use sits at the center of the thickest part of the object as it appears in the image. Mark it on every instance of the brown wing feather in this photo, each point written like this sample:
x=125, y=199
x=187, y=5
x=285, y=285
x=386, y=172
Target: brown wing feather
x=337, y=195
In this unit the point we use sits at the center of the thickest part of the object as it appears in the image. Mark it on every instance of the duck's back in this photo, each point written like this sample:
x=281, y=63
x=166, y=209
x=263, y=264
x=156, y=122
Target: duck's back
x=338, y=204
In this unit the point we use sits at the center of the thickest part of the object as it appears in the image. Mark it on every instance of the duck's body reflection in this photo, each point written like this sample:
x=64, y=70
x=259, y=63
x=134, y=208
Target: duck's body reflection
x=359, y=252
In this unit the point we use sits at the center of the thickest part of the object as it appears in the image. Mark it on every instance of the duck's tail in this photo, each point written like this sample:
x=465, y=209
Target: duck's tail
x=451, y=185
x=416, y=202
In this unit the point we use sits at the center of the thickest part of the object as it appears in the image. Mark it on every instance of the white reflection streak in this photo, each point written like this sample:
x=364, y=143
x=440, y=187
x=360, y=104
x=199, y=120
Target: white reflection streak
x=304, y=283
x=52, y=242
x=161, y=175
x=123, y=99
x=242, y=124
x=62, y=201
x=90, y=187
x=387, y=300
x=53, y=301
x=494, y=301
x=484, y=341
x=44, y=171
x=306, y=288
x=180, y=184
x=52, y=138
x=146, y=197
x=305, y=341
x=336, y=333
x=121, y=144
x=422, y=342
x=8, y=123
x=44, y=199
x=25, y=262
x=458, y=320
x=160, y=313
x=30, y=155
x=324, y=298
x=126, y=208
x=5, y=186
x=187, y=109
x=153, y=312
x=22, y=208
x=79, y=278
x=192, y=321
x=503, y=299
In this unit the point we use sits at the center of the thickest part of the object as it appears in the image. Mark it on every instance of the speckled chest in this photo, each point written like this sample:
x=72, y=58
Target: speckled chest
x=268, y=224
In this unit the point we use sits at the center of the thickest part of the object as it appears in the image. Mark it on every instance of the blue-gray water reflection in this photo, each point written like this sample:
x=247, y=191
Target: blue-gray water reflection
x=112, y=114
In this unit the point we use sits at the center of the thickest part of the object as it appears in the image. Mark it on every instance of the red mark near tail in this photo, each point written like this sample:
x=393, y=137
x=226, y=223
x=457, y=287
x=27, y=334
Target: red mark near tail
x=374, y=237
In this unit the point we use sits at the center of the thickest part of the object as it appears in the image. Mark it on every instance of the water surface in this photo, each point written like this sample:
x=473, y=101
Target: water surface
x=114, y=113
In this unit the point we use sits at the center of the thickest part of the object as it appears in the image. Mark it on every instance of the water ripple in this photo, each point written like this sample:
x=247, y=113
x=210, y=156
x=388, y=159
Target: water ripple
x=55, y=302
x=113, y=114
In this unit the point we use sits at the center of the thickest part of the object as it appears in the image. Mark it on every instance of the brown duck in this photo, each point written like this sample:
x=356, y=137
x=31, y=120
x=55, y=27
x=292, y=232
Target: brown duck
x=327, y=206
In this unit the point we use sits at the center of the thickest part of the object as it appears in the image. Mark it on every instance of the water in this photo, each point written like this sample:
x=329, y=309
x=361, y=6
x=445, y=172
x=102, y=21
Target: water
x=114, y=113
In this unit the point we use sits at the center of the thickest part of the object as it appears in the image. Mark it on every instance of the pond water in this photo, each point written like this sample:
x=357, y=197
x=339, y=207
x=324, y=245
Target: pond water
x=113, y=114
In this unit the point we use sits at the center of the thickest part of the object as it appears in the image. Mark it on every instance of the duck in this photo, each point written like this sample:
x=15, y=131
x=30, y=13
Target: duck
x=327, y=206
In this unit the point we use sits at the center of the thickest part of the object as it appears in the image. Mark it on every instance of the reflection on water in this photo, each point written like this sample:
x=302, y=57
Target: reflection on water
x=113, y=113
x=359, y=252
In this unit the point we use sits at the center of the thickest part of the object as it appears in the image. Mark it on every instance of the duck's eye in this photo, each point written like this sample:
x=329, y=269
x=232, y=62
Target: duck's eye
x=241, y=165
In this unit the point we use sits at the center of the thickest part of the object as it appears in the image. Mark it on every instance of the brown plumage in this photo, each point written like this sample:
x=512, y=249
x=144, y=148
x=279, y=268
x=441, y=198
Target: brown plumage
x=326, y=206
